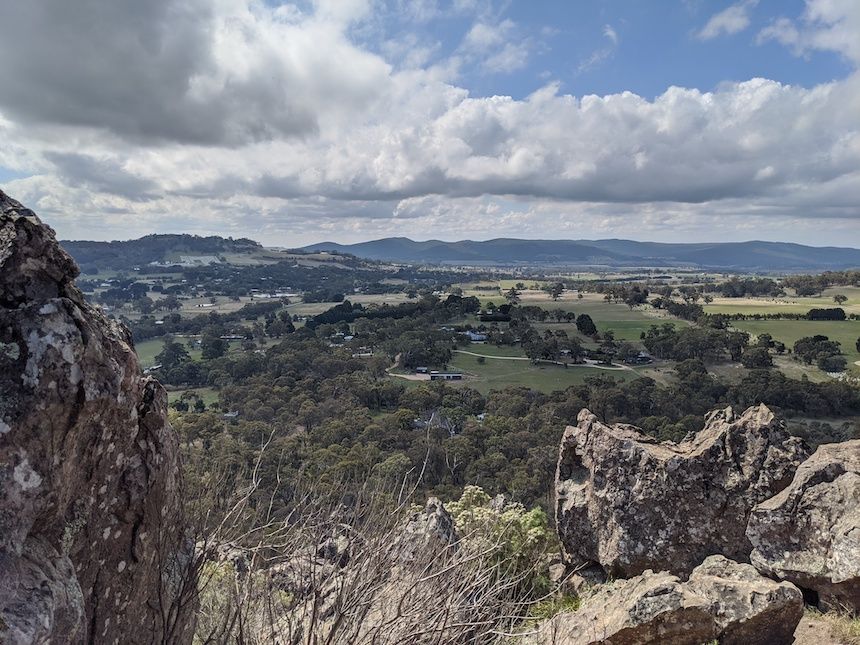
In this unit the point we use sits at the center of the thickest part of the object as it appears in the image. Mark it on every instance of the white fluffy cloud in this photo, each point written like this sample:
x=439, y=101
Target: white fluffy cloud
x=832, y=25
x=273, y=123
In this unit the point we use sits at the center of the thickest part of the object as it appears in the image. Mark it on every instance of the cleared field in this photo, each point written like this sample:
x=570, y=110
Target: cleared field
x=787, y=304
x=314, y=308
x=495, y=374
x=206, y=394
x=492, y=350
x=149, y=349
x=631, y=330
x=845, y=332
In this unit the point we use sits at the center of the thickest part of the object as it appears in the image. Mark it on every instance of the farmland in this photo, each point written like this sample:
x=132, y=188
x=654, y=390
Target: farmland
x=498, y=373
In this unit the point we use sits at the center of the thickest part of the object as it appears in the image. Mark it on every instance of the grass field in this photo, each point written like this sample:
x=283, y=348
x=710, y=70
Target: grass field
x=845, y=332
x=206, y=394
x=495, y=374
x=493, y=350
x=314, y=308
x=149, y=349
x=787, y=304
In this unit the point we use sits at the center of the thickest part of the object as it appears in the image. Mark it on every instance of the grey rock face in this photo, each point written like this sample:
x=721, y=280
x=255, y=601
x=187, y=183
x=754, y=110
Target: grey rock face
x=89, y=474
x=748, y=608
x=431, y=528
x=652, y=608
x=809, y=533
x=629, y=503
x=722, y=600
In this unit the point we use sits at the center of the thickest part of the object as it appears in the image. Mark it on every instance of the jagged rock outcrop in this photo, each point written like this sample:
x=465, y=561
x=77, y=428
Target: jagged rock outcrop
x=722, y=600
x=809, y=533
x=652, y=608
x=431, y=528
x=629, y=503
x=90, y=533
x=748, y=608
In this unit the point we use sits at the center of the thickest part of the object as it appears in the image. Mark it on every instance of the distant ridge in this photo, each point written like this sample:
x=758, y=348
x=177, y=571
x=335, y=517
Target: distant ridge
x=151, y=248
x=748, y=256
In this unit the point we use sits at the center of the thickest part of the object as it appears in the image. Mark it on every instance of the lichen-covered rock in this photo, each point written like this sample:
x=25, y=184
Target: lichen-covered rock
x=629, y=503
x=809, y=533
x=429, y=528
x=90, y=532
x=650, y=609
x=748, y=608
x=723, y=600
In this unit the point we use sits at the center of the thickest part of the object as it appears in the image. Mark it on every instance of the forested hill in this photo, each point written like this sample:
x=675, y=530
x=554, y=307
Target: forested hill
x=152, y=248
x=751, y=256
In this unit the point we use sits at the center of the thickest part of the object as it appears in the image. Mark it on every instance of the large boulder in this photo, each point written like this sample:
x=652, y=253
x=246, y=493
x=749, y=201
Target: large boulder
x=650, y=609
x=91, y=548
x=748, y=608
x=809, y=533
x=630, y=503
x=722, y=600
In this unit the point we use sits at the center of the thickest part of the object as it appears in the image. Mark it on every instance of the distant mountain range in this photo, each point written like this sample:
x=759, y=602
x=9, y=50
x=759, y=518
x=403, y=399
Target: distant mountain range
x=730, y=256
x=746, y=256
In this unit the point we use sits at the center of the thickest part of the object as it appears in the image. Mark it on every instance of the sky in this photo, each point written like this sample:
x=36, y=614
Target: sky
x=350, y=120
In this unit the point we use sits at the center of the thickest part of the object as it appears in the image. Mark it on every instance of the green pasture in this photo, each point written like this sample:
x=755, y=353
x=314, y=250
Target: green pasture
x=314, y=308
x=492, y=350
x=845, y=332
x=496, y=374
x=206, y=394
x=789, y=304
x=147, y=350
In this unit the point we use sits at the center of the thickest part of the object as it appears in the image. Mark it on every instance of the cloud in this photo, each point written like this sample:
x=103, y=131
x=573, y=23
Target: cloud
x=227, y=72
x=610, y=33
x=601, y=54
x=729, y=21
x=387, y=148
x=829, y=25
x=496, y=47
x=101, y=176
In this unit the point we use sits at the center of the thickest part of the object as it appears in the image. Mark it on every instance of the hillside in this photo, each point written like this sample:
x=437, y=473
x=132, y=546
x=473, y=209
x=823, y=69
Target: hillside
x=126, y=254
x=749, y=256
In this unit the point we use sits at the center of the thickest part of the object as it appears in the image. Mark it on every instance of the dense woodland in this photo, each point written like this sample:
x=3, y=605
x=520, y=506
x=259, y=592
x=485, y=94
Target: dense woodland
x=336, y=417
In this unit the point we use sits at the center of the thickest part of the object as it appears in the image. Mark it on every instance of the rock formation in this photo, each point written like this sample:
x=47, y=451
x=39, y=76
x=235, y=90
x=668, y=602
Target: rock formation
x=748, y=608
x=431, y=528
x=650, y=608
x=722, y=600
x=629, y=503
x=809, y=533
x=90, y=540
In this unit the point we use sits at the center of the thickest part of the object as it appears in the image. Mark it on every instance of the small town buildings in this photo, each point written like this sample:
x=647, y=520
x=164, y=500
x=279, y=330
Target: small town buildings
x=475, y=337
x=445, y=376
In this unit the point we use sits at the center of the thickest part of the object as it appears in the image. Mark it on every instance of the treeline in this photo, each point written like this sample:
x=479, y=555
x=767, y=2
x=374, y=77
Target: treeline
x=808, y=285
x=702, y=343
x=713, y=345
x=748, y=287
x=453, y=306
x=176, y=325
x=829, y=313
